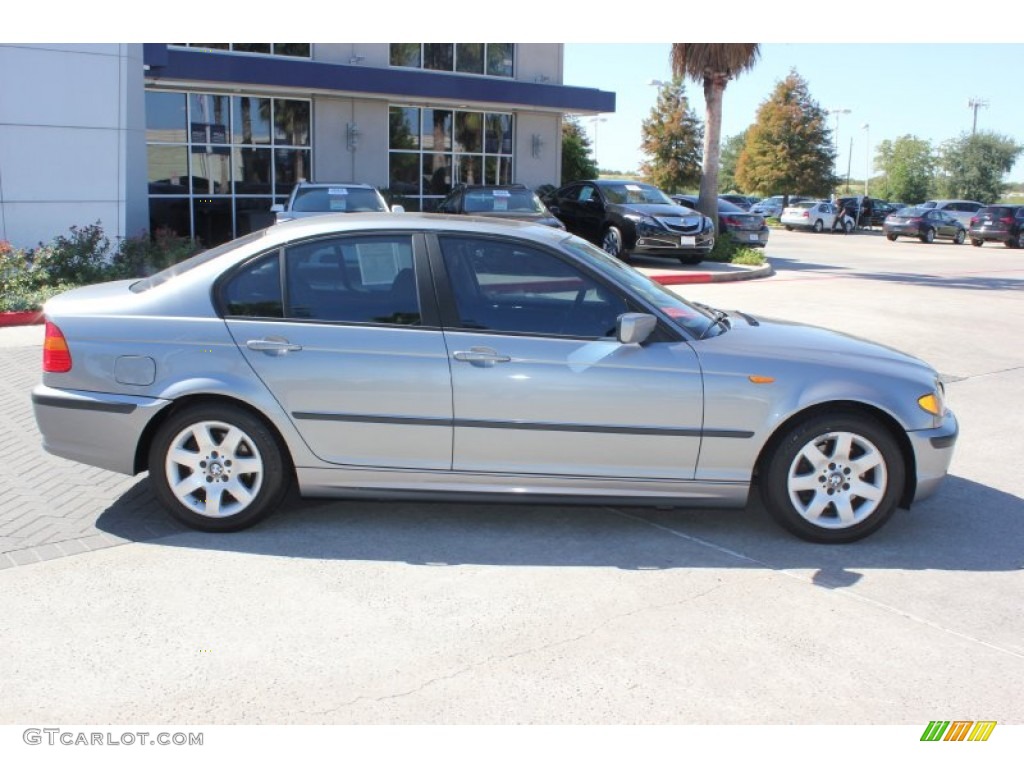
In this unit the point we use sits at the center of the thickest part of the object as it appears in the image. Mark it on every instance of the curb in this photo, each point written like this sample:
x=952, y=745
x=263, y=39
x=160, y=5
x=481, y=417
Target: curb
x=685, y=278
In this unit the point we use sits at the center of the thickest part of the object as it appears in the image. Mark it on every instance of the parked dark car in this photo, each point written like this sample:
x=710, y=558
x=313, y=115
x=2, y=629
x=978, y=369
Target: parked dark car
x=625, y=217
x=998, y=223
x=743, y=201
x=503, y=201
x=875, y=214
x=745, y=227
x=926, y=224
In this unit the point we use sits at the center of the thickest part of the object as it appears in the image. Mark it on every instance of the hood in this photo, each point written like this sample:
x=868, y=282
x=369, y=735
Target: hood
x=797, y=343
x=653, y=209
x=533, y=218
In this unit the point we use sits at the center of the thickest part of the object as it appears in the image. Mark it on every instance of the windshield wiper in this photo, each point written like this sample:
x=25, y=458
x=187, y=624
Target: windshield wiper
x=721, y=318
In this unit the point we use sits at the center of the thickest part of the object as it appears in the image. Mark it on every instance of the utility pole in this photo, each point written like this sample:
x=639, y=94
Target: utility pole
x=837, y=112
x=975, y=104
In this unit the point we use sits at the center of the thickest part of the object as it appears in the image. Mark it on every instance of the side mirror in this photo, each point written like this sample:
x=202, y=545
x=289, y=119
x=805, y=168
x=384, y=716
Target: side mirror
x=277, y=208
x=398, y=209
x=634, y=327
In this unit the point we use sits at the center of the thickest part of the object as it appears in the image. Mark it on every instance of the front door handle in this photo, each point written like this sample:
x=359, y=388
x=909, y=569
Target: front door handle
x=273, y=345
x=483, y=357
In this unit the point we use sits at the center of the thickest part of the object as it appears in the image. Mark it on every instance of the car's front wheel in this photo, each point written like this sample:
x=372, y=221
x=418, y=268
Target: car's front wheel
x=834, y=478
x=217, y=467
x=612, y=242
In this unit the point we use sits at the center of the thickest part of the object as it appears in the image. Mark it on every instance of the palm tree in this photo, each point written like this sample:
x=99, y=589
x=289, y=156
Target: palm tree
x=713, y=65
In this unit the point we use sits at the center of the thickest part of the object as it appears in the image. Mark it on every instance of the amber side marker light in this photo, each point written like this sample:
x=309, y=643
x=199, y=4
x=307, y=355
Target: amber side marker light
x=930, y=403
x=56, y=355
x=761, y=379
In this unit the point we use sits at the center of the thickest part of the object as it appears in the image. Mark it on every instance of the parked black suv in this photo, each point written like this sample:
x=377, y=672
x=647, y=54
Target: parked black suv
x=997, y=223
x=505, y=201
x=626, y=217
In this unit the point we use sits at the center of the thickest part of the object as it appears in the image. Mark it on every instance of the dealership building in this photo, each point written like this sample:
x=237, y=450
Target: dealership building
x=202, y=138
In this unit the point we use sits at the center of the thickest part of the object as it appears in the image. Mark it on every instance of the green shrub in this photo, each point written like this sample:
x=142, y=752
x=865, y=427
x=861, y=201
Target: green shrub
x=80, y=258
x=728, y=251
x=143, y=255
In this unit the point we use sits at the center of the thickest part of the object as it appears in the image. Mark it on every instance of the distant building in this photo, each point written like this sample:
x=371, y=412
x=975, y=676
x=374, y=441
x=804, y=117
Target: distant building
x=203, y=138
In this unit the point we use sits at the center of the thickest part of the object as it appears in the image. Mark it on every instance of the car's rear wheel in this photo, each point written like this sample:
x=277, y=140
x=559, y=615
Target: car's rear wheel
x=819, y=225
x=217, y=467
x=847, y=226
x=788, y=228
x=1014, y=242
x=960, y=237
x=891, y=238
x=928, y=236
x=834, y=478
x=611, y=242
x=977, y=243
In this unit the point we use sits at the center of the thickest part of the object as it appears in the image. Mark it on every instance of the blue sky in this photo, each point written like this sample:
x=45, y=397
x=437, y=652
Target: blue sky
x=896, y=88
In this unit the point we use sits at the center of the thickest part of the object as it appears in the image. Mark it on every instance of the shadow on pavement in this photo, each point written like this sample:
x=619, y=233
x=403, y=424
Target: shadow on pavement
x=965, y=527
x=958, y=282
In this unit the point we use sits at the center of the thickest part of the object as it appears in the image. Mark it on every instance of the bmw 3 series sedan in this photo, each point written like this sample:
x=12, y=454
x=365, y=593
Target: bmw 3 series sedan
x=442, y=357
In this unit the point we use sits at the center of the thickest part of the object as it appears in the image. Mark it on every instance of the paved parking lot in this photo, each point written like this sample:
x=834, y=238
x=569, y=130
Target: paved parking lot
x=363, y=612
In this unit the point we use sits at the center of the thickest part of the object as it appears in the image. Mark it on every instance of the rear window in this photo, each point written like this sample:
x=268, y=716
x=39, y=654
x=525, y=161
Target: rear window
x=195, y=261
x=996, y=212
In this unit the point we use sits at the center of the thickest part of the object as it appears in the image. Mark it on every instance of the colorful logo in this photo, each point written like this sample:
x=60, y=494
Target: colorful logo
x=958, y=730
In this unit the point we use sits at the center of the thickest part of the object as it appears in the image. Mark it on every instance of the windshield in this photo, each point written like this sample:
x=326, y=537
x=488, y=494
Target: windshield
x=695, y=320
x=634, y=193
x=340, y=199
x=501, y=200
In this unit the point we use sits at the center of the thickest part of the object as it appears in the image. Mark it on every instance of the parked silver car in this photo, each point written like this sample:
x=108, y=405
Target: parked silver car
x=436, y=356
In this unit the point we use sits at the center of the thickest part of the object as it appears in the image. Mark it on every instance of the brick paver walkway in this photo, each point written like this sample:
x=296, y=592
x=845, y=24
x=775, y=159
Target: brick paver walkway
x=50, y=507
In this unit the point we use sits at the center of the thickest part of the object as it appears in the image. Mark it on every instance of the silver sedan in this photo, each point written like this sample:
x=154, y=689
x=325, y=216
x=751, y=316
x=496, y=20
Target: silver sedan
x=437, y=357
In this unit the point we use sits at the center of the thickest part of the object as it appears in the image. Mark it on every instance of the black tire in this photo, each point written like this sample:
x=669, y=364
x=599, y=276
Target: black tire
x=891, y=238
x=960, y=237
x=847, y=226
x=788, y=228
x=928, y=236
x=1014, y=242
x=808, y=504
x=235, y=436
x=691, y=261
x=977, y=243
x=612, y=242
x=819, y=225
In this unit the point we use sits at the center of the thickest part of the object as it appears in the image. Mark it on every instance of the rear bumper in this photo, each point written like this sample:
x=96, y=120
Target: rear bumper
x=933, y=452
x=989, y=235
x=94, y=428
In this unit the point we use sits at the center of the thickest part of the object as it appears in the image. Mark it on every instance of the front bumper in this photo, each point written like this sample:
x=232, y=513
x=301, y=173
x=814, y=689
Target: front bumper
x=675, y=245
x=94, y=428
x=933, y=452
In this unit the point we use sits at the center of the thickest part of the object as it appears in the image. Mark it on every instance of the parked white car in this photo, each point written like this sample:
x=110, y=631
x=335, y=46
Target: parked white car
x=814, y=215
x=961, y=210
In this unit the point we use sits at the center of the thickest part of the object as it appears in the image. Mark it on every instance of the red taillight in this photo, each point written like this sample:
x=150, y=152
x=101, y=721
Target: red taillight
x=974, y=220
x=1007, y=220
x=806, y=214
x=730, y=221
x=914, y=221
x=56, y=355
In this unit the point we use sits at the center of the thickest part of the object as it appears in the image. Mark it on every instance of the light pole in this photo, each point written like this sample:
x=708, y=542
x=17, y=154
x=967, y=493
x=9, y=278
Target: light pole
x=867, y=156
x=595, y=121
x=837, y=112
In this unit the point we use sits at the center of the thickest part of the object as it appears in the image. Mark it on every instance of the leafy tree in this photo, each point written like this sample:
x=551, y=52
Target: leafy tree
x=789, y=146
x=908, y=166
x=975, y=165
x=672, y=138
x=731, y=149
x=713, y=65
x=577, y=162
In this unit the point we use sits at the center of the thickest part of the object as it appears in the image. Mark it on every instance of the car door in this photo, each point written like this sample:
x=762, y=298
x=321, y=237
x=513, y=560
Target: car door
x=540, y=384
x=343, y=333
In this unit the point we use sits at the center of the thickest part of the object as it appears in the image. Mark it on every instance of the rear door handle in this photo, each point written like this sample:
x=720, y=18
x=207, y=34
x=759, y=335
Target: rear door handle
x=481, y=356
x=273, y=345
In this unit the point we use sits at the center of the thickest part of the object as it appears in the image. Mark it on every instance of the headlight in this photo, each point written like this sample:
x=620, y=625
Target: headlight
x=645, y=224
